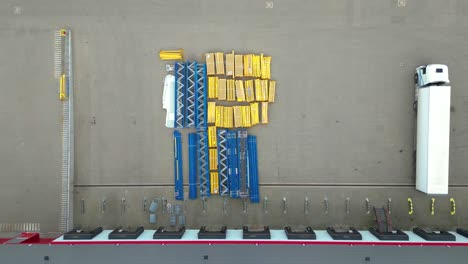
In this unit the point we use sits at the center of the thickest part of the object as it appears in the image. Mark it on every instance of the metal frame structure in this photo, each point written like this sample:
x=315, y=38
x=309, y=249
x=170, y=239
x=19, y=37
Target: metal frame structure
x=180, y=89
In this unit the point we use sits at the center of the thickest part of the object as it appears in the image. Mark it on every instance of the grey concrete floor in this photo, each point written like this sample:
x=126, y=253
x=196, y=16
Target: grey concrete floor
x=343, y=116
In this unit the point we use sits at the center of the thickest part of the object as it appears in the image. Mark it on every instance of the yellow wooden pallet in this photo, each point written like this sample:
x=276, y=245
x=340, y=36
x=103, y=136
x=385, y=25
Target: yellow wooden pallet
x=239, y=66
x=211, y=112
x=228, y=119
x=230, y=64
x=240, y=94
x=249, y=91
x=214, y=182
x=210, y=64
x=231, y=90
x=219, y=58
x=254, y=113
x=264, y=112
x=211, y=136
x=248, y=67
x=271, y=92
x=212, y=87
x=258, y=90
x=266, y=62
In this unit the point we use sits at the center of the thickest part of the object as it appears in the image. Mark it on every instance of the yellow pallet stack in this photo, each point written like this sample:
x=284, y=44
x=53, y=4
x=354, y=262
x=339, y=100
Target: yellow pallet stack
x=256, y=67
x=210, y=64
x=239, y=66
x=219, y=59
x=230, y=64
x=228, y=118
x=271, y=92
x=246, y=118
x=231, y=90
x=266, y=62
x=264, y=90
x=212, y=136
x=212, y=87
x=264, y=112
x=171, y=54
x=240, y=94
x=255, y=116
x=213, y=152
x=249, y=91
x=211, y=112
x=248, y=67
x=237, y=116
x=221, y=89
x=214, y=182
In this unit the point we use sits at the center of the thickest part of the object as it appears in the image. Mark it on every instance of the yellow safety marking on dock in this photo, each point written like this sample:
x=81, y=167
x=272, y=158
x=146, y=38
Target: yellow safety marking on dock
x=230, y=64
x=219, y=58
x=264, y=112
x=63, y=87
x=231, y=90
x=211, y=136
x=212, y=87
x=171, y=54
x=410, y=206
x=239, y=66
x=272, y=91
x=452, y=206
x=222, y=89
x=248, y=67
x=214, y=182
x=211, y=112
x=240, y=94
x=210, y=64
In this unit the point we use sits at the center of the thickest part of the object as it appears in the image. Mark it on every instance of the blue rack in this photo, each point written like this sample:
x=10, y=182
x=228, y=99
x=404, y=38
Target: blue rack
x=253, y=169
x=200, y=110
x=203, y=164
x=222, y=163
x=242, y=155
x=192, y=86
x=233, y=172
x=192, y=152
x=180, y=70
x=178, y=168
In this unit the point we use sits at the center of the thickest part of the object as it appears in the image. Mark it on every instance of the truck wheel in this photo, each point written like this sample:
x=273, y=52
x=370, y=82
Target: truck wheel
x=416, y=78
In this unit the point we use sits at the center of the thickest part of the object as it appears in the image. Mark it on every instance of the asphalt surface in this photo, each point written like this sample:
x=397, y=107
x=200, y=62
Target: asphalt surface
x=342, y=125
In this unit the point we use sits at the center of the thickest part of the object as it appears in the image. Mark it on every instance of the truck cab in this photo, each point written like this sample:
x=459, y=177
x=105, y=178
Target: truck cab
x=431, y=74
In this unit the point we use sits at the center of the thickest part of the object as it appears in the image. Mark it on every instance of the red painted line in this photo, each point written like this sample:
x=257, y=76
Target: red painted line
x=259, y=242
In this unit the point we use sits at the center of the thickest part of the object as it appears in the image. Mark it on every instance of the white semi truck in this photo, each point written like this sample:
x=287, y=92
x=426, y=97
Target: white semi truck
x=432, y=103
